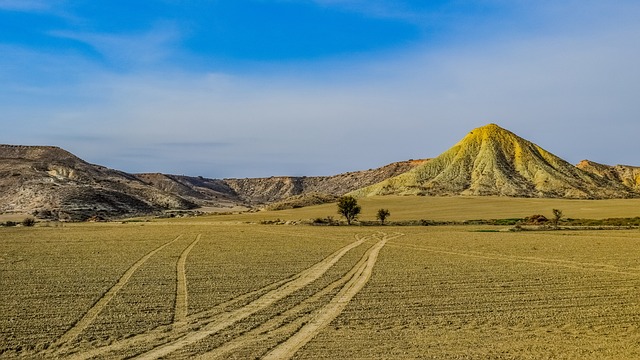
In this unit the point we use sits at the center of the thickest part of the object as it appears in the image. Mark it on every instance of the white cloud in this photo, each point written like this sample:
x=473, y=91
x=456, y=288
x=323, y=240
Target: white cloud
x=572, y=92
x=149, y=47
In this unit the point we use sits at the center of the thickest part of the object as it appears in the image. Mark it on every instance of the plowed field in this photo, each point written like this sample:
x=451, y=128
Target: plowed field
x=171, y=290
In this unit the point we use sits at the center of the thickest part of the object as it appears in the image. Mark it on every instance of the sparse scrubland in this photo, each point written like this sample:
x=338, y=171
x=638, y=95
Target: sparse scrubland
x=226, y=287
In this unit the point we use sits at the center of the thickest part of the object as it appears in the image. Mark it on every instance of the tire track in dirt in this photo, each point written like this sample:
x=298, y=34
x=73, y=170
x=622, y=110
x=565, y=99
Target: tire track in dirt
x=93, y=312
x=205, y=323
x=182, y=295
x=227, y=319
x=529, y=260
x=282, y=324
x=323, y=316
x=167, y=333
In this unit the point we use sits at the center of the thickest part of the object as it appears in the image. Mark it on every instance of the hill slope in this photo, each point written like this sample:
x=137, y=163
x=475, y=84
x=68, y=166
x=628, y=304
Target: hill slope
x=58, y=184
x=624, y=174
x=257, y=191
x=199, y=190
x=493, y=161
x=267, y=190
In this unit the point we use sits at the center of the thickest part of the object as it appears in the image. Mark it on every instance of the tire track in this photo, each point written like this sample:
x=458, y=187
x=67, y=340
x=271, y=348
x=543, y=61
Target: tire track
x=93, y=312
x=528, y=260
x=283, y=324
x=323, y=316
x=182, y=295
x=167, y=333
x=227, y=319
x=205, y=323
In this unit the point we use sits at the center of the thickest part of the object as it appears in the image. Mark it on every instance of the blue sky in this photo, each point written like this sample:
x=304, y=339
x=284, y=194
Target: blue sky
x=315, y=87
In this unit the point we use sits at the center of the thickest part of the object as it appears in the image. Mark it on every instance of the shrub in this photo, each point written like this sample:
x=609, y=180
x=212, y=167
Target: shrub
x=536, y=219
x=28, y=222
x=382, y=215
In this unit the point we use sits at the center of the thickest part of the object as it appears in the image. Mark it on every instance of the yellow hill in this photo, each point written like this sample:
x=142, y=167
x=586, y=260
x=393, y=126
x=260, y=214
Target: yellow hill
x=493, y=161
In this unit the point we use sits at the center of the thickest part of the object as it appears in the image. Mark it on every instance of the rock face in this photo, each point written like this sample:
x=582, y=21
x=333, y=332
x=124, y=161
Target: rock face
x=199, y=190
x=493, y=161
x=268, y=190
x=57, y=184
x=624, y=174
x=258, y=191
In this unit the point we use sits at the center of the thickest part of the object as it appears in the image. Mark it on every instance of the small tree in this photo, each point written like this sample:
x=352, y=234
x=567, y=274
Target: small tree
x=28, y=222
x=349, y=208
x=382, y=215
x=557, y=215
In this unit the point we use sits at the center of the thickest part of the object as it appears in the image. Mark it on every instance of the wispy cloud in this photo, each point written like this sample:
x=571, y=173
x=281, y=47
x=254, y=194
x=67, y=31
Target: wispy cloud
x=131, y=49
x=340, y=115
x=26, y=5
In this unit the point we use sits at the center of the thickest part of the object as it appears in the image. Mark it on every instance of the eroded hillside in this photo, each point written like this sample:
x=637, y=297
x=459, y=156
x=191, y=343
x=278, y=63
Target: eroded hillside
x=624, y=174
x=57, y=184
x=493, y=161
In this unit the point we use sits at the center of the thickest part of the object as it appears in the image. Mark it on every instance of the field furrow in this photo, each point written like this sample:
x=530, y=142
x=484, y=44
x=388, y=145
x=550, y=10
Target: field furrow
x=246, y=291
x=326, y=314
x=93, y=312
x=166, y=339
x=530, y=260
x=167, y=333
x=182, y=304
x=286, y=323
x=228, y=319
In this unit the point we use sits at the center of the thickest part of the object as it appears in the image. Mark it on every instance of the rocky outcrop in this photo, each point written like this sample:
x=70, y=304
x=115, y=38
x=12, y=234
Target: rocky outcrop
x=260, y=191
x=199, y=190
x=54, y=183
x=49, y=180
x=268, y=190
x=627, y=175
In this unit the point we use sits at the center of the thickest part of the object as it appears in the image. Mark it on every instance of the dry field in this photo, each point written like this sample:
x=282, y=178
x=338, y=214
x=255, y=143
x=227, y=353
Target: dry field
x=458, y=208
x=210, y=290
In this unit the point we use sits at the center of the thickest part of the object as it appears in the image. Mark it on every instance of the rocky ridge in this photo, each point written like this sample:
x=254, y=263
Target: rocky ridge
x=57, y=184
x=277, y=188
x=53, y=183
x=624, y=174
x=261, y=191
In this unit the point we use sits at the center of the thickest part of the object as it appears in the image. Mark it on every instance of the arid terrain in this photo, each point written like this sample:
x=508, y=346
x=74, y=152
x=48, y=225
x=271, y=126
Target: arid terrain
x=490, y=161
x=212, y=288
x=55, y=184
x=459, y=270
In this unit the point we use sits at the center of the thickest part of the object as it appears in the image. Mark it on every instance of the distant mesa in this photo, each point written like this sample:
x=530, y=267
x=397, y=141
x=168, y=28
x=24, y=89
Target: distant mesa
x=490, y=161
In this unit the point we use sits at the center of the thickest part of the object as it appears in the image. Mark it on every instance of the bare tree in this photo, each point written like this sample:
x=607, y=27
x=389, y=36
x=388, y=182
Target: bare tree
x=557, y=215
